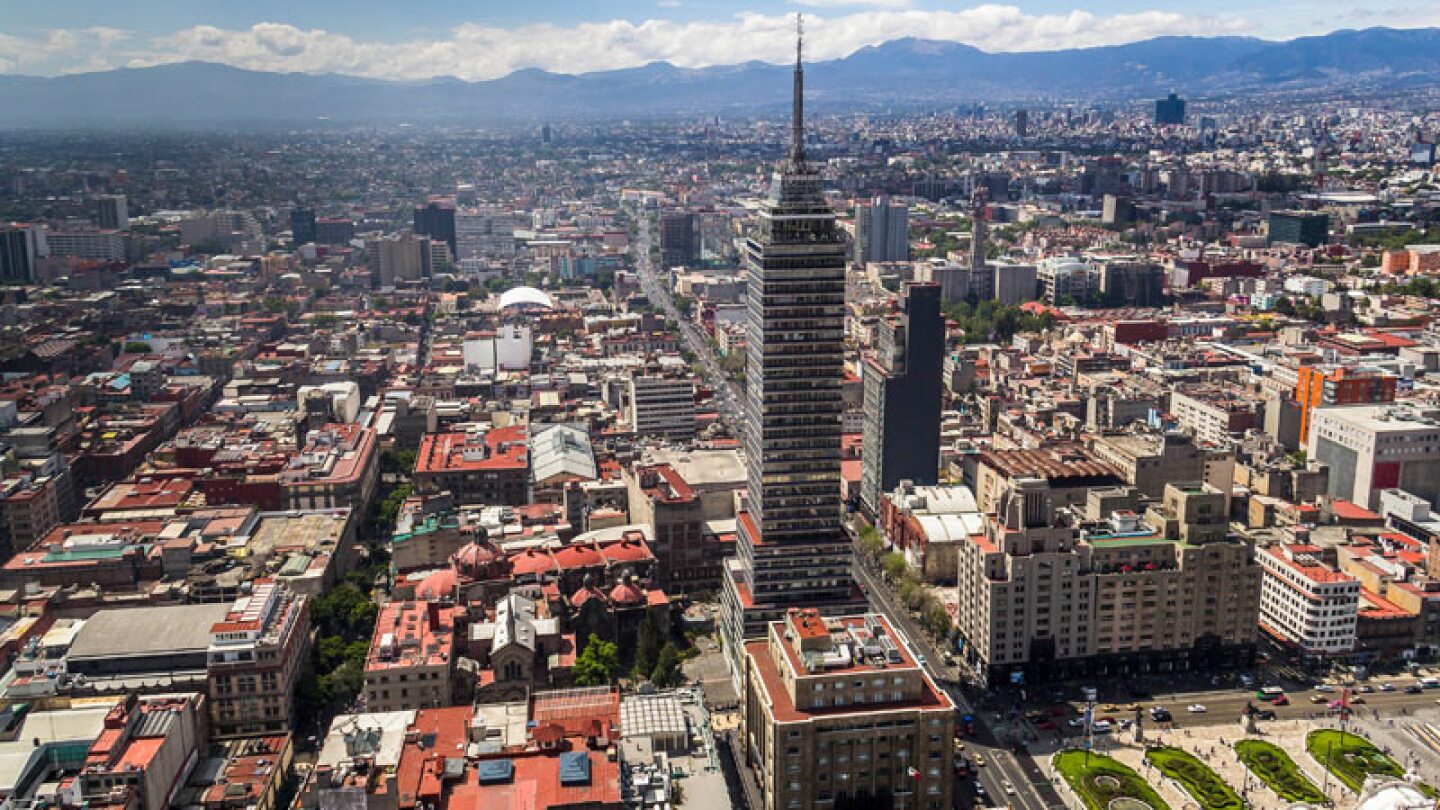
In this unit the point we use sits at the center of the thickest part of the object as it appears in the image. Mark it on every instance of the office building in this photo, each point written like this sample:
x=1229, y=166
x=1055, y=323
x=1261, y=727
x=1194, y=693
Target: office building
x=792, y=546
x=1170, y=111
x=679, y=240
x=1106, y=591
x=1370, y=448
x=836, y=712
x=1325, y=386
x=436, y=219
x=881, y=231
x=111, y=213
x=334, y=231
x=1297, y=228
x=662, y=406
x=1014, y=283
x=398, y=258
x=105, y=246
x=1305, y=604
x=20, y=246
x=978, y=228
x=303, y=226
x=1022, y=123
x=1131, y=283
x=902, y=398
x=257, y=653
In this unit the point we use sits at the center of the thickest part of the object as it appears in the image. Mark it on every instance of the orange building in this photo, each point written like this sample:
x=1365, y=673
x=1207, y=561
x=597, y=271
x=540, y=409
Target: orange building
x=1322, y=386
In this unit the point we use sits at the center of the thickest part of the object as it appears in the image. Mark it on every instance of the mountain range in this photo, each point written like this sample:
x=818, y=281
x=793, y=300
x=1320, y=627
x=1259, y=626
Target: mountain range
x=901, y=74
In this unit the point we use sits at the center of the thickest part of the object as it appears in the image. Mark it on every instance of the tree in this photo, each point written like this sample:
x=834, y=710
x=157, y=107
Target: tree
x=647, y=646
x=138, y=347
x=597, y=663
x=667, y=667
x=390, y=507
x=1285, y=306
x=894, y=565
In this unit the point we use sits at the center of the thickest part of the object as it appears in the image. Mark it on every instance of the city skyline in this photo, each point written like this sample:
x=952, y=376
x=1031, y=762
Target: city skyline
x=376, y=41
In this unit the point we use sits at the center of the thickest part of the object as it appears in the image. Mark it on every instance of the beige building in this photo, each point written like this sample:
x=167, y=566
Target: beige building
x=1115, y=593
x=837, y=711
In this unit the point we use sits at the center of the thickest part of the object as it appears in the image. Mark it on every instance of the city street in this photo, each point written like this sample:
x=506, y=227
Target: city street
x=729, y=397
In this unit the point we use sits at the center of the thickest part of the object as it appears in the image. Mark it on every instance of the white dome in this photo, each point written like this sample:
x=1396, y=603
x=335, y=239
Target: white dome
x=525, y=296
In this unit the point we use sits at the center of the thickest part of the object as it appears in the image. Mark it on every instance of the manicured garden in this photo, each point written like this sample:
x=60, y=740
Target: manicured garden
x=1196, y=777
x=1278, y=771
x=1099, y=780
x=1350, y=757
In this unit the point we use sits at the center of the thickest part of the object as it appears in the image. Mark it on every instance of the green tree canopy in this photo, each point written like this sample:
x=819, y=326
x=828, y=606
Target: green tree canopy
x=597, y=663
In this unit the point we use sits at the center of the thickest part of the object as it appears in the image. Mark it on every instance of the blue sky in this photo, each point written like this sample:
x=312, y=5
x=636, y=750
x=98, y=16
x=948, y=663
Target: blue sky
x=477, y=39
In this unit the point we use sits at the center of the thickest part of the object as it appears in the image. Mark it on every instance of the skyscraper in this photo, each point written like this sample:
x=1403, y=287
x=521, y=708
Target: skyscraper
x=111, y=213
x=1022, y=123
x=902, y=398
x=436, y=219
x=978, y=228
x=19, y=247
x=881, y=231
x=679, y=245
x=1170, y=110
x=302, y=226
x=792, y=550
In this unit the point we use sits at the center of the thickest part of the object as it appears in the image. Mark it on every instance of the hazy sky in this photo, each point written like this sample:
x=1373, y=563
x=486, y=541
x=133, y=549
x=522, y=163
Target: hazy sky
x=480, y=39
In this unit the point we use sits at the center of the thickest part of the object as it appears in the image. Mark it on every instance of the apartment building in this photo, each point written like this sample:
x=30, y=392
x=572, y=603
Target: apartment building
x=338, y=468
x=256, y=655
x=1304, y=603
x=476, y=467
x=412, y=657
x=1109, y=591
x=836, y=712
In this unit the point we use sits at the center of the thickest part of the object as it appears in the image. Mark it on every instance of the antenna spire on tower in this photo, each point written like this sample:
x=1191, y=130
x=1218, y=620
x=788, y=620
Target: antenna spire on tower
x=797, y=122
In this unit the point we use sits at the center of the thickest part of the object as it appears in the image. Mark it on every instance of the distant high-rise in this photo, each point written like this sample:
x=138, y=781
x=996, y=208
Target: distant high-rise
x=679, y=245
x=978, y=230
x=111, y=213
x=398, y=258
x=436, y=219
x=902, y=398
x=1170, y=111
x=302, y=226
x=1022, y=123
x=18, y=250
x=792, y=547
x=334, y=231
x=547, y=135
x=881, y=231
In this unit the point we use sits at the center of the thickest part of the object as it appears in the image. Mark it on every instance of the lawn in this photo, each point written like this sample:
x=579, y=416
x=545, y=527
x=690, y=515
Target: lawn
x=1196, y=777
x=1275, y=768
x=1352, y=759
x=1101, y=780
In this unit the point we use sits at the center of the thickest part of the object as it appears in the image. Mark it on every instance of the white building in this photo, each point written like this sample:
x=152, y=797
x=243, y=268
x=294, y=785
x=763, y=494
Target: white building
x=106, y=246
x=1306, y=603
x=341, y=398
x=1374, y=447
x=509, y=348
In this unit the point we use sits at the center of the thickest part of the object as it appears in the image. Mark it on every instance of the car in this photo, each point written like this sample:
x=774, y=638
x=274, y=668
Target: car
x=1414, y=689
x=1280, y=701
x=1324, y=687
x=1009, y=788
x=1045, y=725
x=1356, y=699
x=1366, y=689
x=1387, y=687
x=1265, y=714
x=979, y=760
x=1075, y=722
x=980, y=790
x=1196, y=708
x=1160, y=714
x=1131, y=707
x=920, y=660
x=1102, y=727
x=1319, y=699
x=1110, y=707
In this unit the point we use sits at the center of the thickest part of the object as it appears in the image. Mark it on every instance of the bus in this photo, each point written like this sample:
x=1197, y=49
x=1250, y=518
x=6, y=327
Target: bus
x=1269, y=693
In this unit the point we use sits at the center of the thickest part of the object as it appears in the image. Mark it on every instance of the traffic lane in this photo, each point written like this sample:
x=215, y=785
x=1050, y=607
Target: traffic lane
x=1011, y=772
x=1226, y=709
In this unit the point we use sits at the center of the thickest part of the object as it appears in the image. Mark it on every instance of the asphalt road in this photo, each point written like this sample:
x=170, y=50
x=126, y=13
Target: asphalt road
x=729, y=398
x=1030, y=790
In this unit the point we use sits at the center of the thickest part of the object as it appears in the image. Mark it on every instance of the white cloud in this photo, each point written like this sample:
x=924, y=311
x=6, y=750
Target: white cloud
x=474, y=52
x=854, y=3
